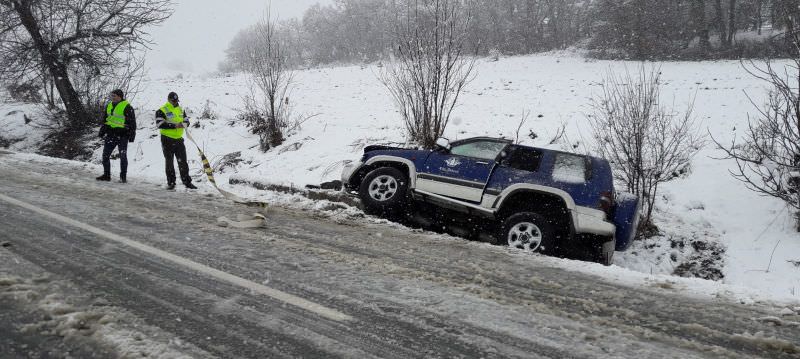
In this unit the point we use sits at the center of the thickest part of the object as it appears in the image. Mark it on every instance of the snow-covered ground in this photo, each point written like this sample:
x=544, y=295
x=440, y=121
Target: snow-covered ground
x=69, y=313
x=704, y=215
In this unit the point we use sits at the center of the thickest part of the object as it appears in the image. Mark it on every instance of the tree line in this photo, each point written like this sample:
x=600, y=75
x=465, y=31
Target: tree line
x=357, y=31
x=696, y=29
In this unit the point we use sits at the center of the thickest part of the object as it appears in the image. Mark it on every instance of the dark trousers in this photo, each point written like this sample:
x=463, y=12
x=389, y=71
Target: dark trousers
x=121, y=142
x=173, y=148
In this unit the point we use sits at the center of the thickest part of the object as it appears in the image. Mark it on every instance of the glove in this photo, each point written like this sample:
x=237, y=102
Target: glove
x=102, y=133
x=130, y=132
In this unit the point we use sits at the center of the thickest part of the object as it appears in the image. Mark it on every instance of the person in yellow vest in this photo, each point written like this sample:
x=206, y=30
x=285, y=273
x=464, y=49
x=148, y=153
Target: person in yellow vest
x=118, y=129
x=171, y=120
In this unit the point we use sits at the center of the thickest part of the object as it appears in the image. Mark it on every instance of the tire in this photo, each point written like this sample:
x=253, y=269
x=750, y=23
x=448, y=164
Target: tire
x=604, y=252
x=528, y=231
x=598, y=249
x=384, y=191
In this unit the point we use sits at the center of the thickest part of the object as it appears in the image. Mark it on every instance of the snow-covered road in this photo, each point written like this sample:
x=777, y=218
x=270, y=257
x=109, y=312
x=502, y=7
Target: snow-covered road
x=404, y=294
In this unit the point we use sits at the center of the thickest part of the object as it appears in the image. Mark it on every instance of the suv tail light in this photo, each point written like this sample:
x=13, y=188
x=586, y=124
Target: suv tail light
x=607, y=203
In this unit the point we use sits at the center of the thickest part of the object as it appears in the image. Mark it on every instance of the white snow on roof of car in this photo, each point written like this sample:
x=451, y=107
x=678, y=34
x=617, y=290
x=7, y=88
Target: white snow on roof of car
x=569, y=168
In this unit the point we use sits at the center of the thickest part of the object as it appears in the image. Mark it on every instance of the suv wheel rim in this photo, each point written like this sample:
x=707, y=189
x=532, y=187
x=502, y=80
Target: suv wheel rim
x=526, y=236
x=382, y=188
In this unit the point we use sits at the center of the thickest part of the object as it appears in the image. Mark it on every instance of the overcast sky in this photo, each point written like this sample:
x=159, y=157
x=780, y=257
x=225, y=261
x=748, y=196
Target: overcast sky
x=196, y=36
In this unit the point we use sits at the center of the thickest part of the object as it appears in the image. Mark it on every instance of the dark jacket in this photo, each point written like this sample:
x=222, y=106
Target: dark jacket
x=129, y=131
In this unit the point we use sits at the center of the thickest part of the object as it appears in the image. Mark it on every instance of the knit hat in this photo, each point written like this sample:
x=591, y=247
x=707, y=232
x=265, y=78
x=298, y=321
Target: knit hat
x=119, y=93
x=172, y=96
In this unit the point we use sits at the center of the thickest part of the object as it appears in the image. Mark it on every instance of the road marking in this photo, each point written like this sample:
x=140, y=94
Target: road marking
x=218, y=274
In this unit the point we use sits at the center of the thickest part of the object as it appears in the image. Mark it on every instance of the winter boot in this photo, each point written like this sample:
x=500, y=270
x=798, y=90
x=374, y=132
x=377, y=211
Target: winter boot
x=170, y=186
x=104, y=178
x=123, y=179
x=189, y=185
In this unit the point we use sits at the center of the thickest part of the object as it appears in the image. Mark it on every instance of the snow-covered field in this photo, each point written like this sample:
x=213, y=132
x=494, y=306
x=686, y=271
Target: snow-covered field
x=705, y=215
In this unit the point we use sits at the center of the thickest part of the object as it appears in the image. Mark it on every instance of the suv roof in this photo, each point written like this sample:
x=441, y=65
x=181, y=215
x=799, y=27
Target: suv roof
x=510, y=142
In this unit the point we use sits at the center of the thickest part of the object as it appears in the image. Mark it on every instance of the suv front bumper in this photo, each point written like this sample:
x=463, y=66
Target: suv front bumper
x=348, y=171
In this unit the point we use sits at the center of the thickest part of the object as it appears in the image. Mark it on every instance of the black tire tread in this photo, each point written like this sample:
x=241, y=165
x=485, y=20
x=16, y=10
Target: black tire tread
x=395, y=204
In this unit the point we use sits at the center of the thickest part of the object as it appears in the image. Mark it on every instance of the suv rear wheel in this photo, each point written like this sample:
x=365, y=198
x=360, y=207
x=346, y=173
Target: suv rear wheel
x=603, y=251
x=527, y=231
x=594, y=248
x=383, y=191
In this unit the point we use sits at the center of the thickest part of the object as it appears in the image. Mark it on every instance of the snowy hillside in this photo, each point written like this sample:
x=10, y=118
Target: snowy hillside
x=708, y=219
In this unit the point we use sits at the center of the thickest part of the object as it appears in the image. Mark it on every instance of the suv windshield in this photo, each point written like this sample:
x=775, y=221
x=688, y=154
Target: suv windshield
x=487, y=150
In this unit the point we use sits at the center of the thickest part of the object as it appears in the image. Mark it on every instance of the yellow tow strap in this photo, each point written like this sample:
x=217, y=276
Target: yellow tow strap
x=252, y=221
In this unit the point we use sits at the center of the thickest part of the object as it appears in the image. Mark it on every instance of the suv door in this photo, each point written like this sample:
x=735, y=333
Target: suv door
x=463, y=171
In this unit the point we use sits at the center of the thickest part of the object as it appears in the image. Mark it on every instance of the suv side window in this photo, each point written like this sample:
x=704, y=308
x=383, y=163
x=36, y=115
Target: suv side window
x=486, y=150
x=525, y=159
x=571, y=168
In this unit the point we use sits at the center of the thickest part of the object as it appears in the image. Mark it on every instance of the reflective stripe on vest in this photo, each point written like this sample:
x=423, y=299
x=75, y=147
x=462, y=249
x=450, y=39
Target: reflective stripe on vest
x=174, y=115
x=115, y=115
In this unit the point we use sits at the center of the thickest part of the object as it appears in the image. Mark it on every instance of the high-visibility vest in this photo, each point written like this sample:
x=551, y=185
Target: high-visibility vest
x=174, y=115
x=115, y=115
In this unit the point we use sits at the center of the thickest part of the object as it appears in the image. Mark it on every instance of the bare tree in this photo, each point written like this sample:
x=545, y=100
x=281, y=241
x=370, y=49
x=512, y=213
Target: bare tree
x=431, y=66
x=768, y=157
x=731, y=22
x=60, y=41
x=699, y=26
x=239, y=52
x=522, y=120
x=265, y=59
x=719, y=23
x=646, y=143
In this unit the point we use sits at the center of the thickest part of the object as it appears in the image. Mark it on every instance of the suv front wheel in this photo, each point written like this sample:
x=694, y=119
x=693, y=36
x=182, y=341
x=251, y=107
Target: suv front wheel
x=383, y=191
x=527, y=231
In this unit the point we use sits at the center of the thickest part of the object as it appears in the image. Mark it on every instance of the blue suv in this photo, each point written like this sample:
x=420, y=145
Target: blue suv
x=536, y=199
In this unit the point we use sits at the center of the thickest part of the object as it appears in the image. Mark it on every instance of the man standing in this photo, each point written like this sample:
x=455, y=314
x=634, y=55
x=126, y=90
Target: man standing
x=171, y=121
x=117, y=131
